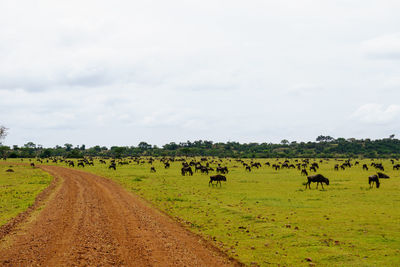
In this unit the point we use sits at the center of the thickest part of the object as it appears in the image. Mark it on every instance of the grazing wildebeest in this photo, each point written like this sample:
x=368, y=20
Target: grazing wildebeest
x=373, y=179
x=80, y=164
x=304, y=172
x=336, y=168
x=312, y=168
x=382, y=175
x=152, y=169
x=365, y=167
x=318, y=178
x=396, y=167
x=248, y=168
x=218, y=178
x=32, y=164
x=166, y=165
x=112, y=166
x=222, y=170
x=185, y=170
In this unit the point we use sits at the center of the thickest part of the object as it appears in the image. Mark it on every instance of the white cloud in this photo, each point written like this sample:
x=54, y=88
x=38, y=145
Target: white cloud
x=377, y=113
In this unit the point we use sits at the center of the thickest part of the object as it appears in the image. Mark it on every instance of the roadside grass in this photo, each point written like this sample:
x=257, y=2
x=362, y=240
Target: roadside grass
x=19, y=189
x=268, y=217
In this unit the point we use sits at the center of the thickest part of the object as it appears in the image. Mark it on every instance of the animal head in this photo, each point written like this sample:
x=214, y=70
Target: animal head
x=327, y=181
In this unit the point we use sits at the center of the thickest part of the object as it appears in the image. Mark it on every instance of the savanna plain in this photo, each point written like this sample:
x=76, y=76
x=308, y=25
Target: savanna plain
x=262, y=217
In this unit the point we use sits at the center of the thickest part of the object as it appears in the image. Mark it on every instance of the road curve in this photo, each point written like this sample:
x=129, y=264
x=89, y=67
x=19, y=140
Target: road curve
x=92, y=221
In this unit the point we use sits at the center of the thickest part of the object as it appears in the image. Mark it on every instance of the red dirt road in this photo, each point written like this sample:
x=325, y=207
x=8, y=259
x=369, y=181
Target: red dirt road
x=92, y=221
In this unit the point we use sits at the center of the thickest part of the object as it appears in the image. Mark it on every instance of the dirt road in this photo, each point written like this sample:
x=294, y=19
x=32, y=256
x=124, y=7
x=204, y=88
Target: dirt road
x=92, y=221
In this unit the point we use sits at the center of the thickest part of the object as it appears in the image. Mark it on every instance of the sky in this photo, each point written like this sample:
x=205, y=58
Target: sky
x=121, y=72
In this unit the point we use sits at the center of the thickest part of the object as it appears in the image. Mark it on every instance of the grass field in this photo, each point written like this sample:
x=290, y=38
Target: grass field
x=19, y=189
x=267, y=217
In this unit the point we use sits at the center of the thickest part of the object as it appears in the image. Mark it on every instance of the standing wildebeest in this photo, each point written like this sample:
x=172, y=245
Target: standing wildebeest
x=373, y=179
x=318, y=178
x=218, y=178
x=222, y=170
x=365, y=167
x=304, y=172
x=80, y=164
x=152, y=169
x=185, y=170
x=32, y=164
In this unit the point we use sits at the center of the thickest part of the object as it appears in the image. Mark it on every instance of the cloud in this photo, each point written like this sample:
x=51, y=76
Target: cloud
x=383, y=47
x=377, y=114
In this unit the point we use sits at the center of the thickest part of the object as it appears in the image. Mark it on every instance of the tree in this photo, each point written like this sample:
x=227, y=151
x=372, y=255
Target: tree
x=3, y=132
x=284, y=142
x=68, y=147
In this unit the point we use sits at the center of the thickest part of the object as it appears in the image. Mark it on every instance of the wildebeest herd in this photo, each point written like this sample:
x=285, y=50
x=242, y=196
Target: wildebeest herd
x=205, y=165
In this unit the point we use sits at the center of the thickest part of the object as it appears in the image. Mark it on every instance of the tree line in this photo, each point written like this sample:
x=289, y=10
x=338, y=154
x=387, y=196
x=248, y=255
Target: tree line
x=322, y=147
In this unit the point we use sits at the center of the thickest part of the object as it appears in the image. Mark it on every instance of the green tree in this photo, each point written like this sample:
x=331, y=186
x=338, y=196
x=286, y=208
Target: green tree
x=3, y=132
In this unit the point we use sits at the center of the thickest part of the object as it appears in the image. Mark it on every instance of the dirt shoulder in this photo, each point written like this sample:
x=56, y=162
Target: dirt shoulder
x=95, y=222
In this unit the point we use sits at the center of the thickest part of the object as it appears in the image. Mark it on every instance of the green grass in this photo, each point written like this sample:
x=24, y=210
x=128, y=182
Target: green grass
x=268, y=217
x=19, y=189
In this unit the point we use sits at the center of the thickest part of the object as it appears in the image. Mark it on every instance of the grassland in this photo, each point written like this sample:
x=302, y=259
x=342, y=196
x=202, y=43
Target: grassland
x=267, y=217
x=19, y=189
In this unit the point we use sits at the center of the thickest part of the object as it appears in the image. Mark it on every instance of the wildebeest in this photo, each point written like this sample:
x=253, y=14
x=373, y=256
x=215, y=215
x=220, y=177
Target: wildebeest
x=80, y=164
x=186, y=170
x=218, y=178
x=112, y=166
x=373, y=179
x=32, y=164
x=152, y=169
x=318, y=178
x=222, y=170
x=365, y=167
x=304, y=172
x=382, y=175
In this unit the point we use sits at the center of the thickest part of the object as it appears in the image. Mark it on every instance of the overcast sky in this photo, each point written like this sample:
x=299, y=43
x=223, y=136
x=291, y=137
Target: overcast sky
x=121, y=72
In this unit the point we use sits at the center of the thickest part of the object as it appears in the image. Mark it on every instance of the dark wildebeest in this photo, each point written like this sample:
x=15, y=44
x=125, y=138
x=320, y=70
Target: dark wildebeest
x=365, y=167
x=222, y=170
x=373, y=179
x=32, y=164
x=166, y=165
x=312, y=168
x=80, y=164
x=218, y=178
x=318, y=178
x=112, y=166
x=248, y=168
x=304, y=172
x=336, y=168
x=185, y=170
x=152, y=169
x=382, y=175
x=396, y=167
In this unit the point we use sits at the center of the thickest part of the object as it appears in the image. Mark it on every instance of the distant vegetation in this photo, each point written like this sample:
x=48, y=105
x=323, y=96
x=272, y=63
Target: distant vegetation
x=323, y=147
